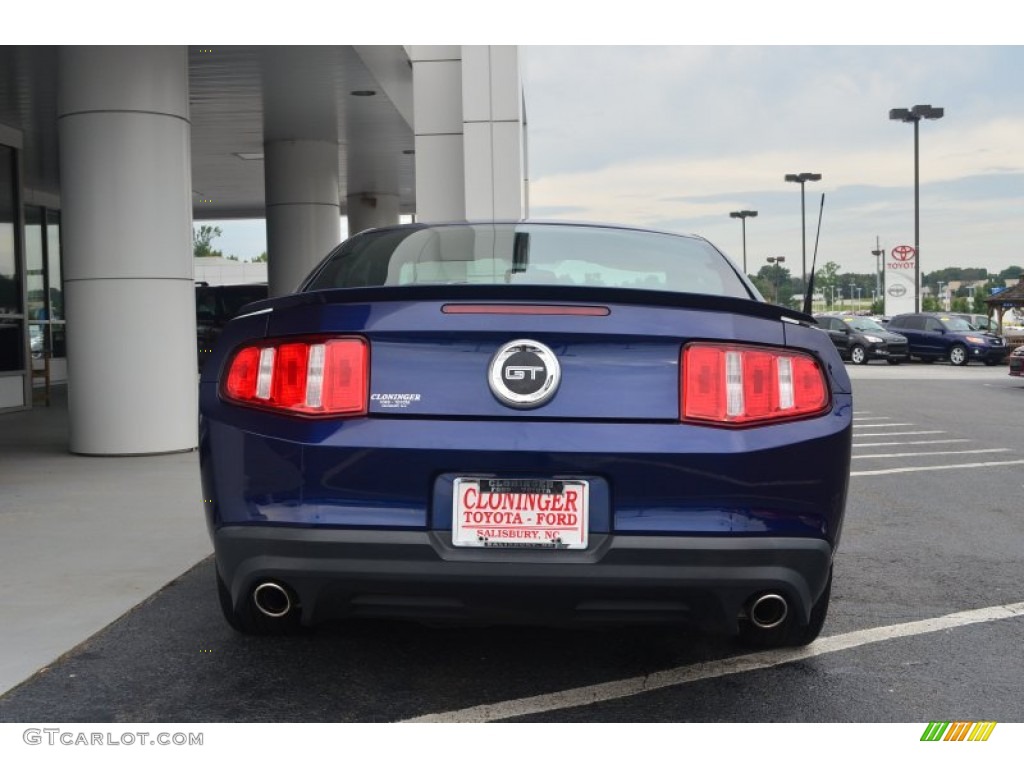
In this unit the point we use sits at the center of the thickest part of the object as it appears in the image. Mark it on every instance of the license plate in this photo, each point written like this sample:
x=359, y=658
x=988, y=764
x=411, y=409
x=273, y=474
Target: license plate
x=494, y=512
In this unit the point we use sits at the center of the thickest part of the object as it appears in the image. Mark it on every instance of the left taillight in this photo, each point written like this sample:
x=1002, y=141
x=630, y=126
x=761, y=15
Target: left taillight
x=305, y=377
x=734, y=385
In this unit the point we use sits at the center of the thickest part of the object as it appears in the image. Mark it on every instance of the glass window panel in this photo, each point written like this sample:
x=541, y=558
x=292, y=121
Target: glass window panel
x=10, y=289
x=12, y=358
x=53, y=260
x=58, y=341
x=36, y=299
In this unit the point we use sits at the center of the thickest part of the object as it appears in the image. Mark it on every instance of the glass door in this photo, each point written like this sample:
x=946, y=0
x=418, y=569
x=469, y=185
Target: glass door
x=13, y=356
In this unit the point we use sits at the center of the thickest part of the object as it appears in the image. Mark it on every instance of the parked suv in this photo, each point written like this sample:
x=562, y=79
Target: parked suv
x=861, y=339
x=947, y=337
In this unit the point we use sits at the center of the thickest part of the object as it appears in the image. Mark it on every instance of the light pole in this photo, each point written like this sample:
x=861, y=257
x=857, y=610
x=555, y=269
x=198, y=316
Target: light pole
x=914, y=115
x=801, y=179
x=879, y=254
x=776, y=260
x=742, y=216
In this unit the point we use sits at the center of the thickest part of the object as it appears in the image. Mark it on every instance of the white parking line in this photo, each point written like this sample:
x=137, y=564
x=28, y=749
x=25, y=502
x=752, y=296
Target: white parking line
x=900, y=470
x=913, y=442
x=927, y=453
x=884, y=426
x=618, y=689
x=890, y=434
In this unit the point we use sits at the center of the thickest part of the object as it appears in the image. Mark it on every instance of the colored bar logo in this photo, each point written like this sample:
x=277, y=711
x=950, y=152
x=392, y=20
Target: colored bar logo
x=960, y=731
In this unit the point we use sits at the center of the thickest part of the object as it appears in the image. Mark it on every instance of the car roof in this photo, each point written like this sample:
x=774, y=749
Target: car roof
x=531, y=222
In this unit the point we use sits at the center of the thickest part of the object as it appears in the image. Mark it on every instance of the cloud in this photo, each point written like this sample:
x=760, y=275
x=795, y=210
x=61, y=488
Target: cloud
x=677, y=137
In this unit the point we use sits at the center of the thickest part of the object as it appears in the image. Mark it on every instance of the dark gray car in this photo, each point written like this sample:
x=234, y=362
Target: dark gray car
x=861, y=339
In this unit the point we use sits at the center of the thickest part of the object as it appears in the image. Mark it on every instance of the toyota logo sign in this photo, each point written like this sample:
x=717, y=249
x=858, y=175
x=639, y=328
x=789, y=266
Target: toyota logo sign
x=897, y=290
x=903, y=252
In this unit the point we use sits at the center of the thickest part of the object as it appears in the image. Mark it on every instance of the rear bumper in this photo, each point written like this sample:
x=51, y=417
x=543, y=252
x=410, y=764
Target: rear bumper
x=705, y=581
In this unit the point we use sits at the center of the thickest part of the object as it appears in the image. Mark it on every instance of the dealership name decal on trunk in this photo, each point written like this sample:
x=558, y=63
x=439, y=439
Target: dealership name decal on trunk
x=394, y=400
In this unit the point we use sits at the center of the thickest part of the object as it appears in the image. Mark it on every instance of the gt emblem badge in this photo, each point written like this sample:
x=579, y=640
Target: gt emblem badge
x=524, y=374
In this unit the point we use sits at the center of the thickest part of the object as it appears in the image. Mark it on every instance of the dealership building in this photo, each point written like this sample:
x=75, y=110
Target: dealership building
x=109, y=153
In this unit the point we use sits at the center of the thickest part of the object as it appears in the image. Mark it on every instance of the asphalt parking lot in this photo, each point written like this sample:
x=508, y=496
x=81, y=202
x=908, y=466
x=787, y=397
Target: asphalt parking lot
x=926, y=619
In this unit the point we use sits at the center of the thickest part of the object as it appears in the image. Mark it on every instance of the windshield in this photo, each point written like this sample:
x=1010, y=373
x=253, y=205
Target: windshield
x=529, y=254
x=862, y=324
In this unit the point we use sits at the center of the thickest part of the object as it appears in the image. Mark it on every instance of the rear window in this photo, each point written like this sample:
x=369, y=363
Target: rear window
x=529, y=254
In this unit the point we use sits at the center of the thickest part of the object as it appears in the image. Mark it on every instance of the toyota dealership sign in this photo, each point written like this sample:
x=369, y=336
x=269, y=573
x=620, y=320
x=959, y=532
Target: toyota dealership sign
x=899, y=280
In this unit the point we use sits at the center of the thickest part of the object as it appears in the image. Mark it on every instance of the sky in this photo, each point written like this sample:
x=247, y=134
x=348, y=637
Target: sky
x=676, y=137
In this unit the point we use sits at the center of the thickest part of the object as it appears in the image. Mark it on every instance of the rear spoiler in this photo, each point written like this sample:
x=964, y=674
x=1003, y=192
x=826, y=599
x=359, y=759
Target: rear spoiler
x=544, y=294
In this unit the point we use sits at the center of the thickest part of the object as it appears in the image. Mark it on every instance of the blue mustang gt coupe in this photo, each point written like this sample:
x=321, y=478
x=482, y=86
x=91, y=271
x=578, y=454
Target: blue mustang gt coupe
x=527, y=422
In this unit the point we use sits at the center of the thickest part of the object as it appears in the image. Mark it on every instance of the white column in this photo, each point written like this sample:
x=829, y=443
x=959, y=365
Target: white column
x=303, y=209
x=125, y=172
x=372, y=198
x=368, y=210
x=300, y=135
x=492, y=100
x=437, y=108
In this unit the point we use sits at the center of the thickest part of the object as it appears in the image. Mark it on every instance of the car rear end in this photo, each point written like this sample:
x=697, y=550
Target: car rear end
x=523, y=452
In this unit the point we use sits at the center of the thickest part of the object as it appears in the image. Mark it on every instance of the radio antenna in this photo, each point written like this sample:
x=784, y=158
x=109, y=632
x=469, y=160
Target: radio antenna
x=809, y=295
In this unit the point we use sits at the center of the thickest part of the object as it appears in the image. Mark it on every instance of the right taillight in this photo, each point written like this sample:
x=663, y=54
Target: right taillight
x=305, y=377
x=734, y=385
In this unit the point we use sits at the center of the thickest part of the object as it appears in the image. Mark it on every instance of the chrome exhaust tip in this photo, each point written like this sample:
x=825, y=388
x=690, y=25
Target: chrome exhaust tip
x=272, y=599
x=769, y=611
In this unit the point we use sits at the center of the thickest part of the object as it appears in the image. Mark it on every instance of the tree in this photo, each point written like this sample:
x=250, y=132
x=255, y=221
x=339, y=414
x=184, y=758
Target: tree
x=776, y=284
x=261, y=258
x=979, y=305
x=826, y=279
x=202, y=237
x=826, y=276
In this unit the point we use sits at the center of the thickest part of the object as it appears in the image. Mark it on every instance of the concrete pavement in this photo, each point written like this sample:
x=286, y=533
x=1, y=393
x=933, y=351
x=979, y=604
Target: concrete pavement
x=83, y=539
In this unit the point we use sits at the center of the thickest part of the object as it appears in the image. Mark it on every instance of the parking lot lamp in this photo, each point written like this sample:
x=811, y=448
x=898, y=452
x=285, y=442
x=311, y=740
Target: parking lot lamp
x=914, y=115
x=879, y=254
x=742, y=216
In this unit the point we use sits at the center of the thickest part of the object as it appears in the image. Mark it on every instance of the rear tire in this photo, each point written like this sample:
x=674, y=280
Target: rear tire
x=790, y=633
x=248, y=619
x=958, y=355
